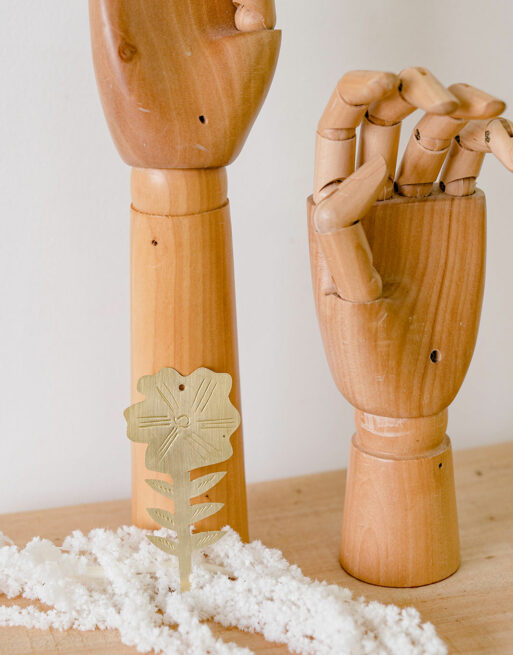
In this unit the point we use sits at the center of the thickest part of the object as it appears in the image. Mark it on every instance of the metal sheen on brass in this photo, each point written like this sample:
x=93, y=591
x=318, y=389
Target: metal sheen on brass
x=187, y=423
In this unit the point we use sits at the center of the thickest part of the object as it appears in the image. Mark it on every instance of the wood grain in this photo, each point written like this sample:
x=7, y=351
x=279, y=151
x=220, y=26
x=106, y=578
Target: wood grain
x=180, y=87
x=342, y=237
x=430, y=254
x=472, y=610
x=183, y=311
x=431, y=138
x=179, y=84
x=400, y=526
x=254, y=15
x=400, y=359
x=335, y=145
x=381, y=127
x=463, y=163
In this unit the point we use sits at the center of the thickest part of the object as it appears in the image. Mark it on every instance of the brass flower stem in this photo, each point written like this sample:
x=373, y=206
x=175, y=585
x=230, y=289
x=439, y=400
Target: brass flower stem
x=181, y=497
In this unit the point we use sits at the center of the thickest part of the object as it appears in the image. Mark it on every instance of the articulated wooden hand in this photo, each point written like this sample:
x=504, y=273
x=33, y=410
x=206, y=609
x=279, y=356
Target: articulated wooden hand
x=181, y=82
x=398, y=287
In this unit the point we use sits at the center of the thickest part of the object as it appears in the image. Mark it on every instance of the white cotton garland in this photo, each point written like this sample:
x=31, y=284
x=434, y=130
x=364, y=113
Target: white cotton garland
x=119, y=580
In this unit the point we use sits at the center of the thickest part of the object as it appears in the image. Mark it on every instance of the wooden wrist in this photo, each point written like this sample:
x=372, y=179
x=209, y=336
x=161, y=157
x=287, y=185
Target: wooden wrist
x=396, y=438
x=178, y=192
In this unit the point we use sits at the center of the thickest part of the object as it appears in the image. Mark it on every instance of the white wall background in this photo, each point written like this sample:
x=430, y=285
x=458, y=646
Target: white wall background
x=64, y=197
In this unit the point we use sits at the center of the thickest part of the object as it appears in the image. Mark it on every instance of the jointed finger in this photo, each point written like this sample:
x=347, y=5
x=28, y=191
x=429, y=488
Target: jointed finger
x=500, y=138
x=253, y=15
x=381, y=127
x=336, y=137
x=474, y=103
x=341, y=235
x=418, y=89
x=432, y=136
x=465, y=158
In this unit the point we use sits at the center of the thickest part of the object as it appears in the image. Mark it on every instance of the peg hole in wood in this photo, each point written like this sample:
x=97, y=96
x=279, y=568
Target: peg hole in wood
x=440, y=465
x=203, y=119
x=181, y=387
x=435, y=356
x=154, y=242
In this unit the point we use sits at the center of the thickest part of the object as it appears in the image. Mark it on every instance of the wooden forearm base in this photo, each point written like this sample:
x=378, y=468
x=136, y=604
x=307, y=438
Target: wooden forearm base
x=183, y=311
x=400, y=526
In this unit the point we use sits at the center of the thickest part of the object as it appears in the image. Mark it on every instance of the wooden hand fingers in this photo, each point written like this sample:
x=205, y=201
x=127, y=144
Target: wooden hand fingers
x=429, y=144
x=343, y=196
x=499, y=136
x=335, y=148
x=381, y=127
x=459, y=126
x=253, y=15
x=336, y=220
x=466, y=154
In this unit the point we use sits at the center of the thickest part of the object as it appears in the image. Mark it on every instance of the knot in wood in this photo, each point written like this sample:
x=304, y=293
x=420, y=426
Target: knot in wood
x=126, y=51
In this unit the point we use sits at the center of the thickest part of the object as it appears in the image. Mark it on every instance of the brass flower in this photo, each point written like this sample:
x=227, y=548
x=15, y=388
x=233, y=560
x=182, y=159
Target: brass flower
x=186, y=421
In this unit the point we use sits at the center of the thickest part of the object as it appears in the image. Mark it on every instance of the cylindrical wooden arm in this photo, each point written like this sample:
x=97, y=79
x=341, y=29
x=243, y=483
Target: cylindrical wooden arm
x=183, y=310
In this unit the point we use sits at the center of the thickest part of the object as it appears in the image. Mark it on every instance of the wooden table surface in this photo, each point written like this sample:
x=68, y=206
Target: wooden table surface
x=472, y=610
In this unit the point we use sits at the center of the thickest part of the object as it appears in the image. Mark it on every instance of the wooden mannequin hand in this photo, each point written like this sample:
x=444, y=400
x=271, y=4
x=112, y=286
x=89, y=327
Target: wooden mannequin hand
x=182, y=81
x=398, y=287
x=398, y=284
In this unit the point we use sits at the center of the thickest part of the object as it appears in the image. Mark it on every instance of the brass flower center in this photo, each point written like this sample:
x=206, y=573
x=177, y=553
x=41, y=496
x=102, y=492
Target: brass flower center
x=182, y=421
